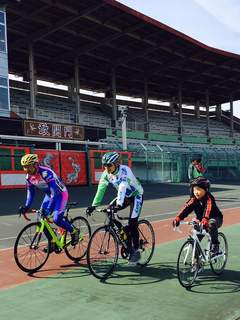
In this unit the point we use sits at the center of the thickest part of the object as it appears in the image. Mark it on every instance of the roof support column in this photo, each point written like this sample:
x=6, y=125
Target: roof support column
x=145, y=106
x=219, y=112
x=114, y=100
x=172, y=107
x=180, y=126
x=32, y=83
x=197, y=110
x=207, y=114
x=77, y=89
x=231, y=117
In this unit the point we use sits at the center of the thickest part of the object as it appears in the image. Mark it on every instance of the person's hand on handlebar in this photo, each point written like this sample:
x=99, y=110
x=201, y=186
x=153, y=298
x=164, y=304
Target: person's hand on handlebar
x=22, y=209
x=176, y=222
x=204, y=223
x=115, y=208
x=90, y=210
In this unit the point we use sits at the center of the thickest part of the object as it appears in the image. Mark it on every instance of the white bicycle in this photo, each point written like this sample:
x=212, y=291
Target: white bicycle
x=194, y=255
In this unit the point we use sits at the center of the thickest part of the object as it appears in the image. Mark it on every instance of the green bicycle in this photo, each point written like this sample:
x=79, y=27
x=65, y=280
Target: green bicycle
x=38, y=239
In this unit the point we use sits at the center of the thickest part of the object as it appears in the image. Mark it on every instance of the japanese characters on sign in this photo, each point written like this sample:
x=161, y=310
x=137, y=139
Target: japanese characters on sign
x=53, y=130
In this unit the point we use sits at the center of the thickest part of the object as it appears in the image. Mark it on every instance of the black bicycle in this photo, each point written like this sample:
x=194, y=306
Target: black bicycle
x=103, y=248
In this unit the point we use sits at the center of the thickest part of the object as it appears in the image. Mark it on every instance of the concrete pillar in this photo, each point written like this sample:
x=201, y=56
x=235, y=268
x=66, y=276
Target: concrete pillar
x=77, y=89
x=197, y=110
x=145, y=106
x=114, y=99
x=207, y=114
x=219, y=112
x=180, y=126
x=172, y=107
x=32, y=83
x=231, y=117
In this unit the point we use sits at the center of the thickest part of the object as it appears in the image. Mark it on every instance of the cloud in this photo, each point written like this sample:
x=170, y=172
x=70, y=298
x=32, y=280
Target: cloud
x=225, y=11
x=214, y=22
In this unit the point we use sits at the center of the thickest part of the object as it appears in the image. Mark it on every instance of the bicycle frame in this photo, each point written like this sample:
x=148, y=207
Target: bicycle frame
x=110, y=224
x=58, y=241
x=203, y=252
x=45, y=223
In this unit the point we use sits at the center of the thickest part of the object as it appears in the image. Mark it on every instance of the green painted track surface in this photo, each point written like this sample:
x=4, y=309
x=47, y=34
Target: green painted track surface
x=149, y=293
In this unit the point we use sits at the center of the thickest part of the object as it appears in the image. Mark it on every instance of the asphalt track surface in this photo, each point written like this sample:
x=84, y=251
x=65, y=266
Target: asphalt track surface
x=161, y=201
x=147, y=294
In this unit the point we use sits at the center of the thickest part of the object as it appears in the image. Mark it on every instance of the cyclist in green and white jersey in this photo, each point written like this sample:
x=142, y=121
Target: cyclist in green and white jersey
x=129, y=193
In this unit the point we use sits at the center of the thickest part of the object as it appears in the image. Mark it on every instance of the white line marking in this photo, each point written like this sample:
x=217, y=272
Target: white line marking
x=145, y=217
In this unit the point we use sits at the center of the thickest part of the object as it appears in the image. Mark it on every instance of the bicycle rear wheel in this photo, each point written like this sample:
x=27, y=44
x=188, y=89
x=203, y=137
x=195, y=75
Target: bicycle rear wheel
x=146, y=241
x=218, y=263
x=102, y=253
x=78, y=251
x=31, y=248
x=187, y=266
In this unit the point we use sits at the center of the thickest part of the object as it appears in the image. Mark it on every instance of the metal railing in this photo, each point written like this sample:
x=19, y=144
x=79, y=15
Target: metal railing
x=62, y=117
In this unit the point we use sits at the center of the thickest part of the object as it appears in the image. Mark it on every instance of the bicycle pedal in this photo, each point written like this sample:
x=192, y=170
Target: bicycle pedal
x=57, y=250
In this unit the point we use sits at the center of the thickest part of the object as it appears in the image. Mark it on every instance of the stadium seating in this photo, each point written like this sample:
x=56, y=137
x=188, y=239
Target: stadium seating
x=162, y=125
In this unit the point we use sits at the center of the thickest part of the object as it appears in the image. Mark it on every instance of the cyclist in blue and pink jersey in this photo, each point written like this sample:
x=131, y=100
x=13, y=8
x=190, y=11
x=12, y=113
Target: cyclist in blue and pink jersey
x=56, y=194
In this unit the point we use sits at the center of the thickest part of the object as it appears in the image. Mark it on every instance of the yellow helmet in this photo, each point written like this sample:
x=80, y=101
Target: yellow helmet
x=29, y=159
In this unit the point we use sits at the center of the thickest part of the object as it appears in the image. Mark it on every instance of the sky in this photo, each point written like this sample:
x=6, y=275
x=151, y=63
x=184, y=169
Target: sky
x=212, y=22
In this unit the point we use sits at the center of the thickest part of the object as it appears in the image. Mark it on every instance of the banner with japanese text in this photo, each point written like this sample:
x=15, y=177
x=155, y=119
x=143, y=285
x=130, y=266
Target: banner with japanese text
x=53, y=130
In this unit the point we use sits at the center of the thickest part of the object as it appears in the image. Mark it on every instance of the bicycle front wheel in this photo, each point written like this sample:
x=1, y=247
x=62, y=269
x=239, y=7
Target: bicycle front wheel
x=31, y=248
x=102, y=253
x=218, y=263
x=146, y=241
x=78, y=251
x=187, y=265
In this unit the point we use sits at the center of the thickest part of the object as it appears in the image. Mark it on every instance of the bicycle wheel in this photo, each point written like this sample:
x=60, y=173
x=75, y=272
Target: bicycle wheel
x=218, y=263
x=146, y=241
x=187, y=266
x=78, y=251
x=31, y=248
x=102, y=253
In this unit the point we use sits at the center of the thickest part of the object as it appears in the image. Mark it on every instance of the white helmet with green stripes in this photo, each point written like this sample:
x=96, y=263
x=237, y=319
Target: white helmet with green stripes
x=110, y=158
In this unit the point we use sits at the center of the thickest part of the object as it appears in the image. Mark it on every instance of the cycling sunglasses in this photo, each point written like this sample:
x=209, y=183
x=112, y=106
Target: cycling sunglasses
x=109, y=165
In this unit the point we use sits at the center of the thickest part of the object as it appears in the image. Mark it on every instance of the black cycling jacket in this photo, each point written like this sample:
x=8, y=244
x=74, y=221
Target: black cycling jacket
x=204, y=208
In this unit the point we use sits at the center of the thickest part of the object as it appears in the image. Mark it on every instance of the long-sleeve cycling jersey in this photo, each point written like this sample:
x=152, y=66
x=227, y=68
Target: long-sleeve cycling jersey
x=195, y=171
x=46, y=180
x=123, y=180
x=204, y=208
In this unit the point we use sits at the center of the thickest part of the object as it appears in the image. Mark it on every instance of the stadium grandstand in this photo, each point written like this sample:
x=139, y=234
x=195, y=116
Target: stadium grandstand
x=170, y=86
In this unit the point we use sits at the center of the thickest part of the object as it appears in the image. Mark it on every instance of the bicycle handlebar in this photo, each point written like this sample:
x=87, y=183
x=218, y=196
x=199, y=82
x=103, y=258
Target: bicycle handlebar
x=25, y=216
x=193, y=223
x=39, y=212
x=111, y=212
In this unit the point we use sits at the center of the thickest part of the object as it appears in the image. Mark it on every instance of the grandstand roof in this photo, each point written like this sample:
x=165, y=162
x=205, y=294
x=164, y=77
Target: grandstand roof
x=106, y=34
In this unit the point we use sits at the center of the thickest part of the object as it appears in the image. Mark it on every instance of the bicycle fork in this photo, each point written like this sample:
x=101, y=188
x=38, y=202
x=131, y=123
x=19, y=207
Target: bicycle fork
x=38, y=234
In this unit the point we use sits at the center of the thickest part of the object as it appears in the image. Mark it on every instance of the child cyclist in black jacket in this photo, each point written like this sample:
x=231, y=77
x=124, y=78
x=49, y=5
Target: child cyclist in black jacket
x=203, y=204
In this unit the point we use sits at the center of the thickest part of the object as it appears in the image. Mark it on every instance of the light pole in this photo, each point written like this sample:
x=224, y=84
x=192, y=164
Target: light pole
x=161, y=149
x=123, y=110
